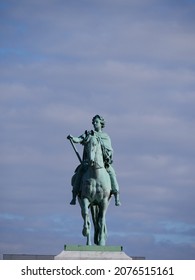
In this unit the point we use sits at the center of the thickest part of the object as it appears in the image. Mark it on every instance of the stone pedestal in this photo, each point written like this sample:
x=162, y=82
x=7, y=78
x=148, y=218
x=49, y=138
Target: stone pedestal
x=80, y=252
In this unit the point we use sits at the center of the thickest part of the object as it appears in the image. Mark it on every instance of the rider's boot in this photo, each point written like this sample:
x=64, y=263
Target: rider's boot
x=73, y=201
x=117, y=199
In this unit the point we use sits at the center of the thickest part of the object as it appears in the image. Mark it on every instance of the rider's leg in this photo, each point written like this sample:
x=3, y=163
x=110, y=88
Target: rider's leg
x=76, y=178
x=114, y=185
x=74, y=195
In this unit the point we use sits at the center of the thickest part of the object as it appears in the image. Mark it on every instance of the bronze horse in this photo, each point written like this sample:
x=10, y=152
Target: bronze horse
x=95, y=192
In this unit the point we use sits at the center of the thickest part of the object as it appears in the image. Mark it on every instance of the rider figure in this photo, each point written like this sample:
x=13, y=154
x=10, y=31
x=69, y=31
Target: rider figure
x=98, y=123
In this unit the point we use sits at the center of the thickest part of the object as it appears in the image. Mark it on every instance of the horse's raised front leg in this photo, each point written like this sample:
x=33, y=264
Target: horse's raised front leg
x=87, y=225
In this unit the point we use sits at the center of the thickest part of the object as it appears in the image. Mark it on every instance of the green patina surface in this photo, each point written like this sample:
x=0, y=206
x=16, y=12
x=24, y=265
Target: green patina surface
x=93, y=248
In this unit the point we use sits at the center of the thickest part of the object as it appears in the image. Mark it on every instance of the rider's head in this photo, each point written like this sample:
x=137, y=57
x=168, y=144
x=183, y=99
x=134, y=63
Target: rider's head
x=102, y=121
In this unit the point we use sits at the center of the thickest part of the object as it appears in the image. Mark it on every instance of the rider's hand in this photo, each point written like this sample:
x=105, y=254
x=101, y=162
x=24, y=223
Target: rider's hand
x=69, y=137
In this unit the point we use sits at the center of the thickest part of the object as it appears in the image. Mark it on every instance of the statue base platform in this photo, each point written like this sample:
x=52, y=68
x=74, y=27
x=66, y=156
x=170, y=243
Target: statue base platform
x=80, y=252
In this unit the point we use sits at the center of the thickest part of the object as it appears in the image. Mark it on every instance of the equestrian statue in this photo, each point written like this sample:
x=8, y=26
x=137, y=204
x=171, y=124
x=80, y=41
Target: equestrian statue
x=94, y=181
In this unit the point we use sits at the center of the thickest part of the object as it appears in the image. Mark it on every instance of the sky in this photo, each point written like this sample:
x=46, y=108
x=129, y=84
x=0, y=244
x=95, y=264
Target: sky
x=130, y=61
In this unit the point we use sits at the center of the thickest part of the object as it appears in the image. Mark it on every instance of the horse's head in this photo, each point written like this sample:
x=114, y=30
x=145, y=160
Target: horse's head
x=93, y=150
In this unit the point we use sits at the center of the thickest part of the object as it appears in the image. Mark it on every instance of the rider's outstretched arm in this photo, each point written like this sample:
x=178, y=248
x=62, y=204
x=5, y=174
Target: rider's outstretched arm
x=75, y=139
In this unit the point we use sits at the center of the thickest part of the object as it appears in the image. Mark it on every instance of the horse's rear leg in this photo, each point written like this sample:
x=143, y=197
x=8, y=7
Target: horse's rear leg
x=87, y=224
x=102, y=224
x=102, y=233
x=94, y=213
